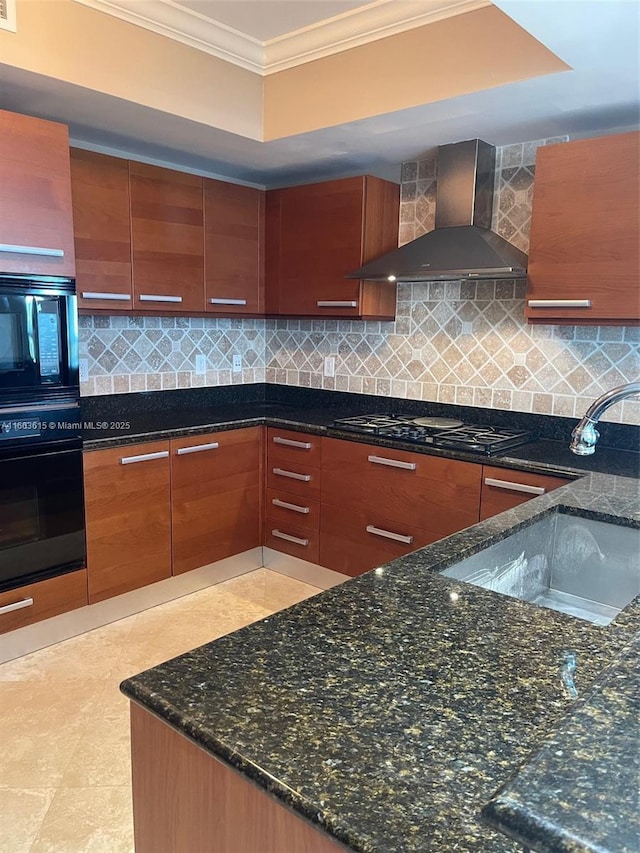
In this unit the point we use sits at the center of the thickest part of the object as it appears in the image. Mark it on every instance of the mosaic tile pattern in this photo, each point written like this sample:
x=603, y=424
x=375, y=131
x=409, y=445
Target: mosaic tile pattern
x=157, y=353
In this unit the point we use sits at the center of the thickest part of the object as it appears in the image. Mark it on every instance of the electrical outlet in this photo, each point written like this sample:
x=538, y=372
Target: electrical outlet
x=201, y=364
x=83, y=369
x=330, y=365
x=237, y=363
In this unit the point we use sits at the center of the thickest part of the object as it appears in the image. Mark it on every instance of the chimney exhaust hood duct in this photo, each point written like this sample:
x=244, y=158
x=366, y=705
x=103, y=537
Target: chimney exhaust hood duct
x=462, y=244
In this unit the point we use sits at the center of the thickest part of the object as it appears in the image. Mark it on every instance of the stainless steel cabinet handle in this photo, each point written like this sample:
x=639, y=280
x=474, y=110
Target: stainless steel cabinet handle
x=295, y=539
x=387, y=534
x=336, y=303
x=514, y=487
x=144, y=457
x=94, y=294
x=559, y=303
x=285, y=505
x=392, y=463
x=292, y=475
x=220, y=301
x=289, y=442
x=17, y=605
x=152, y=297
x=196, y=448
x=31, y=250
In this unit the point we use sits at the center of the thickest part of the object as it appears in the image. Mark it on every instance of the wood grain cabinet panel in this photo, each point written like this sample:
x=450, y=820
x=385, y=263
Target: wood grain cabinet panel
x=216, y=487
x=48, y=598
x=102, y=228
x=167, y=237
x=316, y=234
x=282, y=507
x=293, y=539
x=503, y=489
x=35, y=197
x=233, y=249
x=584, y=233
x=128, y=516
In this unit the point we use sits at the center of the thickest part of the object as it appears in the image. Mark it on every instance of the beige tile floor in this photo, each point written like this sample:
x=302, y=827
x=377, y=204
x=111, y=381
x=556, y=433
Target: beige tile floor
x=64, y=725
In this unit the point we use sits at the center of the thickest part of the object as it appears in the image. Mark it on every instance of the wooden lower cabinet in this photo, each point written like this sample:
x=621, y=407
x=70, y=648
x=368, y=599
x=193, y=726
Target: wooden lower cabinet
x=215, y=496
x=128, y=516
x=48, y=598
x=503, y=489
x=188, y=801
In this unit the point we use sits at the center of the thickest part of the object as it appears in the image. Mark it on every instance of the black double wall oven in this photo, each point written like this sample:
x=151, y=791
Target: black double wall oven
x=41, y=493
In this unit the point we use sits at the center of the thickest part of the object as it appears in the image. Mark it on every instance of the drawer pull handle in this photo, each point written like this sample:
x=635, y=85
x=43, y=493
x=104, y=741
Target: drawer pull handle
x=114, y=297
x=17, y=605
x=295, y=539
x=392, y=463
x=144, y=457
x=514, y=487
x=31, y=250
x=559, y=303
x=387, y=534
x=280, y=472
x=336, y=303
x=154, y=297
x=196, y=448
x=289, y=442
x=294, y=507
x=220, y=301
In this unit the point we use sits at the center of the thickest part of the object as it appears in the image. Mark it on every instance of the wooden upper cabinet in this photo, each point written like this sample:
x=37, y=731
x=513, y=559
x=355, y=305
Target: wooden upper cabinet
x=100, y=189
x=233, y=248
x=584, y=258
x=36, y=226
x=167, y=240
x=316, y=234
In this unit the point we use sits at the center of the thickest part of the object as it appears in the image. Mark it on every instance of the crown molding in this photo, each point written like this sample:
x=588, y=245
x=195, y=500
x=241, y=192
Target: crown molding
x=376, y=20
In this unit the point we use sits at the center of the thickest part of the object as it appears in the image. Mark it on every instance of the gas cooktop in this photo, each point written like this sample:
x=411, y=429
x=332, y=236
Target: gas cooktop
x=437, y=431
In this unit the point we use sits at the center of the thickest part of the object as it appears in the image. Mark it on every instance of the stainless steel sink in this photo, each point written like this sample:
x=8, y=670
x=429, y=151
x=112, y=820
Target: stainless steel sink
x=588, y=569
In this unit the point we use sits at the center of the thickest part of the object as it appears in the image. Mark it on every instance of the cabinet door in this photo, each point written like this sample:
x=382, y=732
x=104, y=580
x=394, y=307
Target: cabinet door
x=102, y=228
x=233, y=248
x=167, y=240
x=318, y=233
x=503, y=489
x=584, y=258
x=128, y=506
x=216, y=485
x=36, y=225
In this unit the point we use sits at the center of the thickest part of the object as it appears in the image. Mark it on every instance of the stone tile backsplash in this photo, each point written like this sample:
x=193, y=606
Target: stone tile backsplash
x=453, y=342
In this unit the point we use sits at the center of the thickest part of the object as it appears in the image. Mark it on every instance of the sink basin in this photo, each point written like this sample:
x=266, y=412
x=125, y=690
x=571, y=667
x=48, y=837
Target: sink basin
x=586, y=568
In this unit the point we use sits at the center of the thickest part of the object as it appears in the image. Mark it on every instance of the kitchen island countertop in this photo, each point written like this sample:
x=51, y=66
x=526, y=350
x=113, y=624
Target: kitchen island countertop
x=390, y=709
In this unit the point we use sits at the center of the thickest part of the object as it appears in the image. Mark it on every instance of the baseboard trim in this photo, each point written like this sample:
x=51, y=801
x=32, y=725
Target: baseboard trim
x=23, y=641
x=301, y=570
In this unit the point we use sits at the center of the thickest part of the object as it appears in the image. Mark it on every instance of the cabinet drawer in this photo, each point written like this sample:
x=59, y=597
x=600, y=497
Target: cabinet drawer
x=291, y=539
x=295, y=477
x=297, y=447
x=48, y=598
x=441, y=495
x=503, y=489
x=354, y=542
x=230, y=457
x=286, y=508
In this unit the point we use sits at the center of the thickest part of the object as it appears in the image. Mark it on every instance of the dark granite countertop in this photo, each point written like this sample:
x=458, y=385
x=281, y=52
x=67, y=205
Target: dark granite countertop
x=132, y=418
x=571, y=796
x=388, y=710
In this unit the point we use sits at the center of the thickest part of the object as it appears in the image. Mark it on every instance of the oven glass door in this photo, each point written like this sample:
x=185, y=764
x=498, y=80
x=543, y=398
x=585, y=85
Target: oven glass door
x=41, y=515
x=32, y=341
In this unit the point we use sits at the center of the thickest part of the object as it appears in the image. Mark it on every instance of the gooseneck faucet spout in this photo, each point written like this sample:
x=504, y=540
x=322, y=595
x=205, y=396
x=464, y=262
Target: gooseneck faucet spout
x=585, y=435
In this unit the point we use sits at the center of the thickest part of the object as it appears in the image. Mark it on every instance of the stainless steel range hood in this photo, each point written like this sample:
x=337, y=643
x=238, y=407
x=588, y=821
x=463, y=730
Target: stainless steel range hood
x=462, y=244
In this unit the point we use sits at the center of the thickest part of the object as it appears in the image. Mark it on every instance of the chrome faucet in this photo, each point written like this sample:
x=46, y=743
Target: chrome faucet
x=585, y=435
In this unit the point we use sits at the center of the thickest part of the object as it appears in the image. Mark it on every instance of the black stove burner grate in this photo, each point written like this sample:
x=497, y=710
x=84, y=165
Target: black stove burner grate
x=474, y=438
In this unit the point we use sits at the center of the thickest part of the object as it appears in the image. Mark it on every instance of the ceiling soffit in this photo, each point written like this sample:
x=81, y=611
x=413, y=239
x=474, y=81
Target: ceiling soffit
x=368, y=23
